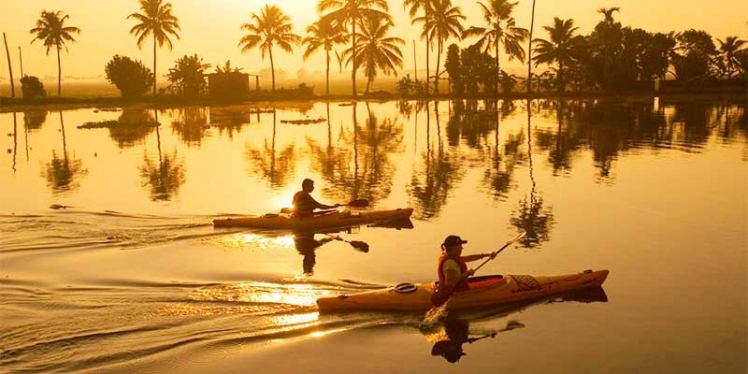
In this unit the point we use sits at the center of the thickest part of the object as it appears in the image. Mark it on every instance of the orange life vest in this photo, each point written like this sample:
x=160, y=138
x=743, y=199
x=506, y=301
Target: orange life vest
x=443, y=277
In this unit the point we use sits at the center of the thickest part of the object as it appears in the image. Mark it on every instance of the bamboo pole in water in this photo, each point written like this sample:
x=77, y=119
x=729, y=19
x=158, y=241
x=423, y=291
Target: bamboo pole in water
x=10, y=68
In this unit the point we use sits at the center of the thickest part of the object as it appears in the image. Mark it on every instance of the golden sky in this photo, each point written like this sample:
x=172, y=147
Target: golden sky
x=211, y=28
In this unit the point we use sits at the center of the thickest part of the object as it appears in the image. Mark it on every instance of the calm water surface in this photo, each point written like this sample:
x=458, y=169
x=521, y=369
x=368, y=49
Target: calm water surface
x=109, y=261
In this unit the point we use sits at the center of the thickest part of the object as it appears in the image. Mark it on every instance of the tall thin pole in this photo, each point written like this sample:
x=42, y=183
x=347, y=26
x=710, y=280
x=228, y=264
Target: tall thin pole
x=415, y=61
x=20, y=57
x=10, y=68
x=529, y=51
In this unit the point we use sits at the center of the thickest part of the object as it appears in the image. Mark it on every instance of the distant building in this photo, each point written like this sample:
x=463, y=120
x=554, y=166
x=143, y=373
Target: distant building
x=231, y=84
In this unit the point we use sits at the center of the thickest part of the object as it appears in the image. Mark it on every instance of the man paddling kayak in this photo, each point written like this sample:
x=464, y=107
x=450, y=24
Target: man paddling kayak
x=304, y=204
x=452, y=266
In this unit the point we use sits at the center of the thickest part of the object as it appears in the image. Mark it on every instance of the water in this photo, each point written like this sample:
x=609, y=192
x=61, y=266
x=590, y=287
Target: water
x=109, y=261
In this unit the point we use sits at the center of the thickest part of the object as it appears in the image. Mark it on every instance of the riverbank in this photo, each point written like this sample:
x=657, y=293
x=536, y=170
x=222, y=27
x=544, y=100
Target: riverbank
x=267, y=99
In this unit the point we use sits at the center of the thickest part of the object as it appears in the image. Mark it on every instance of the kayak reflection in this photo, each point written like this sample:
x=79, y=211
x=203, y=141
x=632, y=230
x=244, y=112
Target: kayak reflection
x=455, y=330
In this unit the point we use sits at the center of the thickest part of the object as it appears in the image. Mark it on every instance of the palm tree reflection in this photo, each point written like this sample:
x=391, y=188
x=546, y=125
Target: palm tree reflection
x=165, y=177
x=430, y=187
x=277, y=169
x=531, y=215
x=62, y=173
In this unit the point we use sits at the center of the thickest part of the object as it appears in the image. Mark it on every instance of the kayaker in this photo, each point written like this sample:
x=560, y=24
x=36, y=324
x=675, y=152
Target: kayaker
x=452, y=266
x=304, y=204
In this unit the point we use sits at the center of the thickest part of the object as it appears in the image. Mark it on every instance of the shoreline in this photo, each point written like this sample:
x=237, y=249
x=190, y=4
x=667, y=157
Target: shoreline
x=19, y=104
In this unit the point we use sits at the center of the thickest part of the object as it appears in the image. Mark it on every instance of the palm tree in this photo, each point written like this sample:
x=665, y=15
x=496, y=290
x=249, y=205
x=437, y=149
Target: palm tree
x=427, y=7
x=270, y=27
x=608, y=13
x=562, y=49
x=322, y=34
x=529, y=50
x=50, y=29
x=729, y=49
x=158, y=21
x=350, y=13
x=376, y=51
x=500, y=29
x=443, y=23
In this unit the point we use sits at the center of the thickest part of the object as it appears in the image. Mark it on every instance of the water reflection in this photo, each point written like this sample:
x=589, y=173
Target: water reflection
x=277, y=168
x=307, y=245
x=165, y=176
x=189, y=124
x=450, y=337
x=531, y=216
x=34, y=119
x=432, y=181
x=230, y=120
x=62, y=172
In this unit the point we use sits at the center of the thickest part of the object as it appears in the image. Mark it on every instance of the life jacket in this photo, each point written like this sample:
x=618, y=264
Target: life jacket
x=443, y=277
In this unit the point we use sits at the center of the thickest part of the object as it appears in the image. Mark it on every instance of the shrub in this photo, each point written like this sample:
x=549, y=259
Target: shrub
x=130, y=77
x=32, y=87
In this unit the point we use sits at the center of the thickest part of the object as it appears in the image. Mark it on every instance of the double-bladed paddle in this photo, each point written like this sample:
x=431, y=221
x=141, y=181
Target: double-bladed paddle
x=358, y=203
x=444, y=292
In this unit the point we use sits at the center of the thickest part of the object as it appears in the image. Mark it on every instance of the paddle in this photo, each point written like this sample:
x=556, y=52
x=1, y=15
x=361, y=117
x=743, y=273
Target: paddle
x=361, y=246
x=444, y=293
x=358, y=203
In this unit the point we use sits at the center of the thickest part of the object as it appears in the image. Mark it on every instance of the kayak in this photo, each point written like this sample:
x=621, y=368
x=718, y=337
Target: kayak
x=483, y=291
x=333, y=219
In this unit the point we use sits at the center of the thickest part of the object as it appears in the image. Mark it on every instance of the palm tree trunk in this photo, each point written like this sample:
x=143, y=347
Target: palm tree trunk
x=59, y=73
x=498, y=67
x=10, y=68
x=353, y=57
x=529, y=51
x=327, y=75
x=438, y=61
x=272, y=68
x=154, y=66
x=427, y=64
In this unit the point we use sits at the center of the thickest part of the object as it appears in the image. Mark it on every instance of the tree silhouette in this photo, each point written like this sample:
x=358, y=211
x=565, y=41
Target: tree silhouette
x=350, y=13
x=271, y=27
x=376, y=51
x=440, y=24
x=500, y=29
x=51, y=30
x=158, y=21
x=323, y=35
x=165, y=177
x=562, y=49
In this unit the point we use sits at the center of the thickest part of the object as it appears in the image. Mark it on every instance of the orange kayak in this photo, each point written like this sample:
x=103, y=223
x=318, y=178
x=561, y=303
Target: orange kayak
x=483, y=291
x=334, y=219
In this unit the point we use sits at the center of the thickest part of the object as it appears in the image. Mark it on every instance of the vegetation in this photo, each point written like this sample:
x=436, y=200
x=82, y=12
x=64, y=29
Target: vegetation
x=158, y=21
x=130, y=77
x=51, y=30
x=187, y=77
x=612, y=59
x=32, y=87
x=271, y=27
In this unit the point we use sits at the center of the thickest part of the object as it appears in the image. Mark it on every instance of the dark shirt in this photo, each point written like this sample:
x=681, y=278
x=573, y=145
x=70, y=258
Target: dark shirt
x=304, y=204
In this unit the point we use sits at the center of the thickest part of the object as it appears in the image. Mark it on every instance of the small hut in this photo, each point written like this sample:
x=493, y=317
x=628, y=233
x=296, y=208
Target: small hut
x=231, y=84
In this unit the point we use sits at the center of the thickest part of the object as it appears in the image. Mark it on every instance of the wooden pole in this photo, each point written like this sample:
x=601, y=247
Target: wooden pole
x=20, y=57
x=10, y=68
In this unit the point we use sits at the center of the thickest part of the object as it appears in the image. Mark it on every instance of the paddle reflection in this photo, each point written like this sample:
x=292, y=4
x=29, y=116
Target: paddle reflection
x=306, y=244
x=449, y=336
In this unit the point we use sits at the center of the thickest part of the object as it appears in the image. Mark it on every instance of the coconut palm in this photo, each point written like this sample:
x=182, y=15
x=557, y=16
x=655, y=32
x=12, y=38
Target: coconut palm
x=414, y=6
x=529, y=50
x=562, y=49
x=500, y=29
x=323, y=35
x=270, y=27
x=350, y=13
x=51, y=30
x=442, y=23
x=158, y=21
x=376, y=50
x=608, y=13
x=729, y=49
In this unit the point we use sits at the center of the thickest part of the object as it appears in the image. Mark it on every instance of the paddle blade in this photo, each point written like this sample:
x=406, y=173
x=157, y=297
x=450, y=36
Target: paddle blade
x=359, y=203
x=441, y=295
x=361, y=246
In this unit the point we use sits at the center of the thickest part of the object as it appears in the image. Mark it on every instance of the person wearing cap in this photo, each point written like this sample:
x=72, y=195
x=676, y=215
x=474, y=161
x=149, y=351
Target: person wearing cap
x=452, y=265
x=304, y=204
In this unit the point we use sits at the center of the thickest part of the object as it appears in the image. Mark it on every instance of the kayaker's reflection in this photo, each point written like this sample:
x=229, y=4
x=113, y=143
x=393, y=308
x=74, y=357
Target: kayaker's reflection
x=307, y=245
x=457, y=333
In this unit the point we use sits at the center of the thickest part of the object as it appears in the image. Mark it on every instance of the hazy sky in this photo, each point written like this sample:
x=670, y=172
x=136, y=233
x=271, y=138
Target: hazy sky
x=211, y=28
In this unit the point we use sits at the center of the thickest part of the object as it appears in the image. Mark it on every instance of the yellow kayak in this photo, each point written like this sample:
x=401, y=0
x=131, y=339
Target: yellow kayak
x=483, y=291
x=333, y=219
